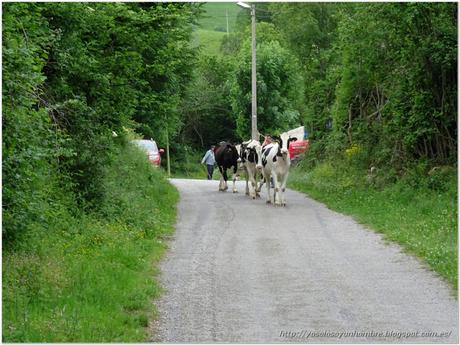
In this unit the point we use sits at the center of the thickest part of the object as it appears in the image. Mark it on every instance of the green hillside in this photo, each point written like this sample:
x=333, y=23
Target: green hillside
x=213, y=26
x=215, y=17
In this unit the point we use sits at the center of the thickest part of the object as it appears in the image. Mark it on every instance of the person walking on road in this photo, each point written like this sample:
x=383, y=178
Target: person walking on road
x=209, y=160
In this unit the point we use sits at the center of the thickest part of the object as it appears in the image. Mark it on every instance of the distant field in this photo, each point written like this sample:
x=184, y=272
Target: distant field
x=208, y=41
x=215, y=17
x=213, y=26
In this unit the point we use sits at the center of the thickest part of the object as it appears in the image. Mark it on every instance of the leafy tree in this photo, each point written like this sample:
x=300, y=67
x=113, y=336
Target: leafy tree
x=74, y=73
x=112, y=64
x=398, y=80
x=206, y=103
x=309, y=30
x=169, y=60
x=279, y=89
x=384, y=75
x=29, y=146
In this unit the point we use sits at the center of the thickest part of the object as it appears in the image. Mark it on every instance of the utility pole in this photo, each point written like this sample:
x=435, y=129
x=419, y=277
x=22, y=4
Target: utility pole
x=255, y=134
x=254, y=131
x=226, y=15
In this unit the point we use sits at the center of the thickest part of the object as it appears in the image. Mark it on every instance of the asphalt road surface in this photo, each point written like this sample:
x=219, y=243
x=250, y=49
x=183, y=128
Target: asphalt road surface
x=239, y=270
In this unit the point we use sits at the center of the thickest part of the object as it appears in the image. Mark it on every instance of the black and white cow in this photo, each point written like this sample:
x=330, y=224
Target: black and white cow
x=226, y=157
x=275, y=162
x=241, y=168
x=250, y=152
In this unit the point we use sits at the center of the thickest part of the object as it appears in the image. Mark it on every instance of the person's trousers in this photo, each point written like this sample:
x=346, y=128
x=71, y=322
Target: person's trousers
x=210, y=170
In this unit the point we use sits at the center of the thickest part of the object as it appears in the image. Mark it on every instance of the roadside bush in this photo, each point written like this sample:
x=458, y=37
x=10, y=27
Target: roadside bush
x=29, y=144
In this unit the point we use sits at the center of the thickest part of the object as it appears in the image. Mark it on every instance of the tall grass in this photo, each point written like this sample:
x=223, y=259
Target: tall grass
x=91, y=278
x=417, y=210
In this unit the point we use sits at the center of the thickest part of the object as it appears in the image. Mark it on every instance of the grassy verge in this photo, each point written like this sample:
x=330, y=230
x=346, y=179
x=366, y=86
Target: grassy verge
x=90, y=278
x=418, y=211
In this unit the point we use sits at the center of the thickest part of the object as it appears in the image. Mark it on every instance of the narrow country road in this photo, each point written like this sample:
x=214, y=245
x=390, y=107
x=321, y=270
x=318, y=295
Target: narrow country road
x=239, y=270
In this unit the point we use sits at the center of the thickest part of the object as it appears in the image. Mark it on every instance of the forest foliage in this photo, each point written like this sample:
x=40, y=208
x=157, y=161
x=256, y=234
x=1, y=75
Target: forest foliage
x=73, y=75
x=379, y=76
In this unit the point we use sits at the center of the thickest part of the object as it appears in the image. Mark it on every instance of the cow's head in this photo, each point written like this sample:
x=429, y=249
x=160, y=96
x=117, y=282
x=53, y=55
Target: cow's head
x=239, y=151
x=250, y=151
x=242, y=152
x=232, y=152
x=253, y=151
x=285, y=140
x=226, y=151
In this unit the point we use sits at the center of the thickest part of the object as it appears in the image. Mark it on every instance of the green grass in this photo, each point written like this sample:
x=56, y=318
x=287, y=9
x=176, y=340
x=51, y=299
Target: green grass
x=91, y=278
x=418, y=211
x=208, y=41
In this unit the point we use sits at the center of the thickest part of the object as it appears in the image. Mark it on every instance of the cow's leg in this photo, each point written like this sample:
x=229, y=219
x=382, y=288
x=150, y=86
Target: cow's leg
x=247, y=179
x=257, y=190
x=234, y=184
x=225, y=179
x=235, y=169
x=253, y=173
x=262, y=181
x=253, y=188
x=283, y=188
x=221, y=178
x=251, y=180
x=276, y=181
x=267, y=178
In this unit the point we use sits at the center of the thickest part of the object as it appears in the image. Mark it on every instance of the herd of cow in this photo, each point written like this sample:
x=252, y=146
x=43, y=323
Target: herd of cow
x=271, y=161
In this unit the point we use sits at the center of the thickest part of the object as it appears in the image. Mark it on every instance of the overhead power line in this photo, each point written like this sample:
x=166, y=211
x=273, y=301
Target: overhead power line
x=235, y=17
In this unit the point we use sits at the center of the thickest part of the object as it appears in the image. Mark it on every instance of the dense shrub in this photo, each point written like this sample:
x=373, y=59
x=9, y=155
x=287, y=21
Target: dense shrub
x=30, y=145
x=75, y=75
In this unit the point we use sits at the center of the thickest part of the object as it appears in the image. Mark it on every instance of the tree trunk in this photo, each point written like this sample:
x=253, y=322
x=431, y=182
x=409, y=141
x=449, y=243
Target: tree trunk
x=350, y=138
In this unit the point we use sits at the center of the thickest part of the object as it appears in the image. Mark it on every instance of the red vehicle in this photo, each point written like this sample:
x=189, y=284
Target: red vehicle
x=151, y=149
x=300, y=146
